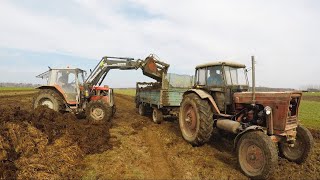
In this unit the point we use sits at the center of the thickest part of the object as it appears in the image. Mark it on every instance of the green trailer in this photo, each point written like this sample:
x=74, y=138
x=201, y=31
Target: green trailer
x=162, y=98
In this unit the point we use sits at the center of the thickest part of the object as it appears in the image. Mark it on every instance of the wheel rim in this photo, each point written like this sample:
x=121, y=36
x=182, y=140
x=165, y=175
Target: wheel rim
x=252, y=158
x=140, y=109
x=46, y=102
x=296, y=151
x=97, y=113
x=154, y=115
x=189, y=120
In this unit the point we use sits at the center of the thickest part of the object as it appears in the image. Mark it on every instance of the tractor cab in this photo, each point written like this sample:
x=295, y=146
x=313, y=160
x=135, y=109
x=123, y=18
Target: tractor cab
x=66, y=81
x=222, y=80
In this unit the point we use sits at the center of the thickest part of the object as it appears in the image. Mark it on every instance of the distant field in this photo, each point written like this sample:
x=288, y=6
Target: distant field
x=16, y=89
x=310, y=114
x=311, y=94
x=129, y=91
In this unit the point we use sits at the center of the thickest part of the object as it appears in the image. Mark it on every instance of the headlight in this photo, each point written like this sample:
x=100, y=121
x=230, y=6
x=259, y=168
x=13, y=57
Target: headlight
x=268, y=110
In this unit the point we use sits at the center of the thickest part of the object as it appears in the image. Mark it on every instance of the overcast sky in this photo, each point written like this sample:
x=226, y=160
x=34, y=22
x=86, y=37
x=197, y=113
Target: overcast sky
x=282, y=34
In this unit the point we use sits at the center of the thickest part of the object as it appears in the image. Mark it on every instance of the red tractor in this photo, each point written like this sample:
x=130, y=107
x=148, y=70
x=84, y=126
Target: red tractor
x=261, y=123
x=67, y=90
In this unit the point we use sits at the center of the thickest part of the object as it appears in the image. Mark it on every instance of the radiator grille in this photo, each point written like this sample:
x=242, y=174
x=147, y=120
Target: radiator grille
x=292, y=120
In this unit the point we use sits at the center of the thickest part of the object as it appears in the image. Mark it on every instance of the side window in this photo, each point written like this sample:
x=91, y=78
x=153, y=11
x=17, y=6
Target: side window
x=71, y=78
x=80, y=78
x=62, y=78
x=201, y=76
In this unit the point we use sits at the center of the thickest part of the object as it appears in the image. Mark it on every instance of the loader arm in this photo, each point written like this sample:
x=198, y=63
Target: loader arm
x=151, y=67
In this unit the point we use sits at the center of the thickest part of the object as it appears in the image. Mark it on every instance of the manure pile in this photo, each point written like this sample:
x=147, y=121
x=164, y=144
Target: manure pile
x=45, y=144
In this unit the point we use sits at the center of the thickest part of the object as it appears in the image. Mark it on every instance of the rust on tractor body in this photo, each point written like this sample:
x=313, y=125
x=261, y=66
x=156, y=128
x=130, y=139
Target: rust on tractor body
x=261, y=121
x=284, y=118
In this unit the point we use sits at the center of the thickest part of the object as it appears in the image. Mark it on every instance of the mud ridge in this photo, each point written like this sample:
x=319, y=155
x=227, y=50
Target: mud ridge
x=45, y=144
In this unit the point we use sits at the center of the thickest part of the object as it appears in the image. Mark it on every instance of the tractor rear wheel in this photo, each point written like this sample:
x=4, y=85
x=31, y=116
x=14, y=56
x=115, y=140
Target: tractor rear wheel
x=157, y=115
x=195, y=119
x=49, y=98
x=301, y=149
x=257, y=155
x=98, y=112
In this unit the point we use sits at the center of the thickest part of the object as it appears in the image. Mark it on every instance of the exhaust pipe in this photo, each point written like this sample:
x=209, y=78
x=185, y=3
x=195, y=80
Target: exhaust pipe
x=228, y=125
x=253, y=80
x=269, y=119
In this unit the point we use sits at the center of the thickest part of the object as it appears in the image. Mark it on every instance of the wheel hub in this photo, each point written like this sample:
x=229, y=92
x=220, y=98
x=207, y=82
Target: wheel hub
x=255, y=157
x=97, y=113
x=190, y=119
x=154, y=114
x=48, y=103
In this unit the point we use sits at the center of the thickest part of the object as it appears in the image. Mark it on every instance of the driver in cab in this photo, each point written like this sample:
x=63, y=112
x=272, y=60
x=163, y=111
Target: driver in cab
x=215, y=77
x=63, y=82
x=63, y=79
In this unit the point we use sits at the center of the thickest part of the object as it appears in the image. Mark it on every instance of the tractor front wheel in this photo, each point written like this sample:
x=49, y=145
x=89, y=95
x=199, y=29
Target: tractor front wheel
x=49, y=98
x=301, y=148
x=98, y=112
x=195, y=119
x=257, y=155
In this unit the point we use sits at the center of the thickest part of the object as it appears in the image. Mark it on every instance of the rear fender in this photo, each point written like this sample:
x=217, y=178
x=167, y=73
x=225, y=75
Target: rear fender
x=248, y=129
x=204, y=95
x=56, y=88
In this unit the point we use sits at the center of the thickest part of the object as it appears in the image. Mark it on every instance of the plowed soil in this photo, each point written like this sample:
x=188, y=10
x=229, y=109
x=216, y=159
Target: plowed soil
x=44, y=144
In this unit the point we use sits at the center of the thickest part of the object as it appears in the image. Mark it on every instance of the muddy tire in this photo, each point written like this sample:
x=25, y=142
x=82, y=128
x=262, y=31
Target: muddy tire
x=302, y=148
x=257, y=155
x=114, y=110
x=157, y=116
x=98, y=112
x=142, y=110
x=195, y=119
x=49, y=98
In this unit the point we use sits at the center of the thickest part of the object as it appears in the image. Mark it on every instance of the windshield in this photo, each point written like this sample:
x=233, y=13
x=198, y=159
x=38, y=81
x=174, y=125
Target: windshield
x=214, y=76
x=236, y=76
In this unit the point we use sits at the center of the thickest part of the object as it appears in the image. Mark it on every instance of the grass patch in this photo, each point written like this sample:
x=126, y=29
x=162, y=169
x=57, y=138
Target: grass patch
x=311, y=94
x=310, y=114
x=16, y=88
x=129, y=91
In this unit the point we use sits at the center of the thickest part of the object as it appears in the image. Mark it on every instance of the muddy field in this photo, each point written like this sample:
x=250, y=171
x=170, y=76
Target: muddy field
x=45, y=144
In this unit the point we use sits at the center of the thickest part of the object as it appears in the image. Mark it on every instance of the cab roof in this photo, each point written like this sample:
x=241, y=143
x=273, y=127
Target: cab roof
x=46, y=74
x=220, y=63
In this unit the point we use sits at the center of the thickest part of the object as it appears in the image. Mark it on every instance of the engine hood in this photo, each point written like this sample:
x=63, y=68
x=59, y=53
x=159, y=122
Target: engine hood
x=266, y=98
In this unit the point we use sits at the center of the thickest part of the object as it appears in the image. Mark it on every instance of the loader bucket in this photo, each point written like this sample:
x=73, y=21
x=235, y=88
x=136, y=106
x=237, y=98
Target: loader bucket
x=154, y=68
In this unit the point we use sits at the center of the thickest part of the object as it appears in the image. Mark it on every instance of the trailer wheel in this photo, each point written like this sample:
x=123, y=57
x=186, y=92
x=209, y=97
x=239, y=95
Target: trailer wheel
x=142, y=109
x=49, y=98
x=98, y=112
x=257, y=155
x=157, y=115
x=195, y=119
x=302, y=146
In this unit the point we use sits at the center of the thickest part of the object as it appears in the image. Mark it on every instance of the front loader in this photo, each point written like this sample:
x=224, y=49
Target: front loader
x=67, y=90
x=262, y=124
